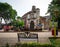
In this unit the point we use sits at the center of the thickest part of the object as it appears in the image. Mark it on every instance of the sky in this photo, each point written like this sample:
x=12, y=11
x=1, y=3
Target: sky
x=24, y=6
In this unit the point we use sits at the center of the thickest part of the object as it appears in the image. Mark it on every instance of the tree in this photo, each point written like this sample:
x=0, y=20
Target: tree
x=18, y=23
x=18, y=17
x=7, y=12
x=54, y=10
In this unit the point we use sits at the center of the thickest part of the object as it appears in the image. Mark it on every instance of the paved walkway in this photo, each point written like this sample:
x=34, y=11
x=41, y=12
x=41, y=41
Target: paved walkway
x=46, y=34
x=43, y=37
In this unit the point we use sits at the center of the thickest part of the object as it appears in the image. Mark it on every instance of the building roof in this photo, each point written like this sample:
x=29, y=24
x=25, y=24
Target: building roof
x=32, y=11
x=42, y=17
x=26, y=13
x=47, y=16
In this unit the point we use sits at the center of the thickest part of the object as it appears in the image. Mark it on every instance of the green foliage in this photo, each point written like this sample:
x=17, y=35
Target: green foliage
x=54, y=9
x=53, y=23
x=18, y=45
x=33, y=45
x=13, y=14
x=52, y=40
x=55, y=41
x=18, y=23
x=18, y=17
x=7, y=12
x=7, y=45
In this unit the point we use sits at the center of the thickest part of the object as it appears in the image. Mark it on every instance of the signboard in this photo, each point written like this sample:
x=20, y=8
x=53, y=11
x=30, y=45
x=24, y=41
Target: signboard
x=29, y=37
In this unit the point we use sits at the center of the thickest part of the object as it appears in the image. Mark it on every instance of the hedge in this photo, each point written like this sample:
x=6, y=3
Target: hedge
x=30, y=45
x=33, y=45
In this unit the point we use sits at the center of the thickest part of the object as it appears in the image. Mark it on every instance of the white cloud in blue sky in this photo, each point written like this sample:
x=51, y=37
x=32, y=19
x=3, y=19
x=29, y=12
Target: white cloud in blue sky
x=23, y=6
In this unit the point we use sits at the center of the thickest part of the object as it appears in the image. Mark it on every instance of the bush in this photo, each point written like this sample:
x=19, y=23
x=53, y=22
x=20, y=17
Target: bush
x=30, y=45
x=55, y=41
x=7, y=45
x=48, y=45
x=33, y=45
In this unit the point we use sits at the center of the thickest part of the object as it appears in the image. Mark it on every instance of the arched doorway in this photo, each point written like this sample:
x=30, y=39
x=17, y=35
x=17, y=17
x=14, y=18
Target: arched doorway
x=32, y=25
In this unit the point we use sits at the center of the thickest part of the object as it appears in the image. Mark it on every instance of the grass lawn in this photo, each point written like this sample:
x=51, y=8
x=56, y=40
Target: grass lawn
x=55, y=41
